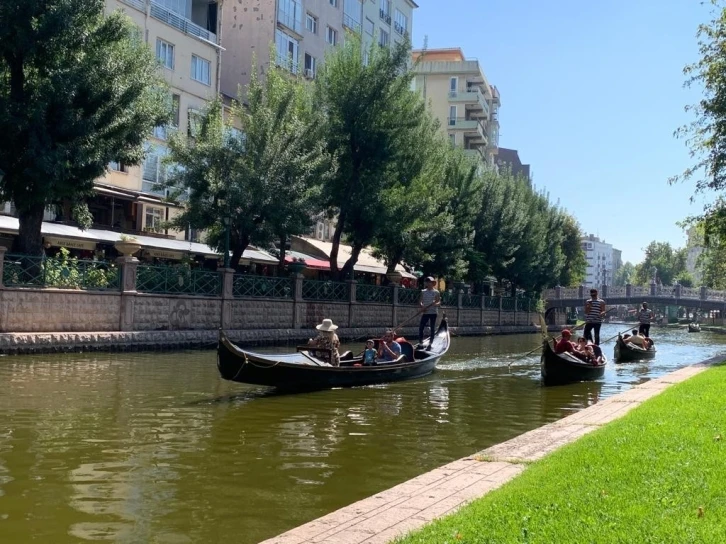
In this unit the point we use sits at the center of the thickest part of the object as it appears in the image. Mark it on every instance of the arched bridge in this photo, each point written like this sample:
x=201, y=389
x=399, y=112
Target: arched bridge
x=676, y=295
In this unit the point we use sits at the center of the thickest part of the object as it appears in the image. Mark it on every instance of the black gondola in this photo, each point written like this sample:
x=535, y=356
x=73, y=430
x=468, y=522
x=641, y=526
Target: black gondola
x=558, y=369
x=302, y=371
x=625, y=353
x=694, y=327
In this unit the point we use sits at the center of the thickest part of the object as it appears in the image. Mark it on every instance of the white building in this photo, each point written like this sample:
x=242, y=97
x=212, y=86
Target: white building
x=599, y=257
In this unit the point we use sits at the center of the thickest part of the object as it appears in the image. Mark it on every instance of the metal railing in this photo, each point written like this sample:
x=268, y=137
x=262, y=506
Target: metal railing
x=449, y=298
x=523, y=304
x=373, y=293
x=60, y=272
x=351, y=23
x=616, y=291
x=409, y=296
x=262, y=287
x=691, y=292
x=491, y=303
x=290, y=21
x=325, y=290
x=138, y=4
x=508, y=304
x=171, y=18
x=471, y=301
x=638, y=291
x=712, y=294
x=178, y=280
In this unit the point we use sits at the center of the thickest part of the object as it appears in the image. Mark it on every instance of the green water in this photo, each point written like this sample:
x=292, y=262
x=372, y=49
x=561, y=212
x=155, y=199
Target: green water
x=154, y=447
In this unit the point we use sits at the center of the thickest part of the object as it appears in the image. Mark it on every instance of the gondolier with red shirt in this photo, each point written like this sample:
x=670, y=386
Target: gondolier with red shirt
x=594, y=315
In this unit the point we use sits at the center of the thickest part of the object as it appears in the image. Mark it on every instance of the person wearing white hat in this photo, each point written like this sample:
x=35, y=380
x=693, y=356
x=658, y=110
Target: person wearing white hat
x=328, y=342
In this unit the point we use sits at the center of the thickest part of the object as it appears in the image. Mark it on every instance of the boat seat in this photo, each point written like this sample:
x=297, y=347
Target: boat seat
x=346, y=356
x=407, y=351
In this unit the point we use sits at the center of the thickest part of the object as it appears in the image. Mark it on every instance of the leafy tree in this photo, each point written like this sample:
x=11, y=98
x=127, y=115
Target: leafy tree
x=370, y=112
x=265, y=180
x=77, y=91
x=573, y=271
x=624, y=275
x=669, y=263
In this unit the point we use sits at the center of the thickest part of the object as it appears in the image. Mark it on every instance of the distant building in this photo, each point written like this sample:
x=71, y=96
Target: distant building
x=617, y=260
x=599, y=257
x=509, y=158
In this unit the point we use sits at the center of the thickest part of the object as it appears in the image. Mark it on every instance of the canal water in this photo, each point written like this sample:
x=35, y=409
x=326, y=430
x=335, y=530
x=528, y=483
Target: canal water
x=155, y=447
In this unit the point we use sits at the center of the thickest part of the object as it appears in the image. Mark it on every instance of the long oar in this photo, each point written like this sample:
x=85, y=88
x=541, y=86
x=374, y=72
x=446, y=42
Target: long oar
x=414, y=316
x=613, y=337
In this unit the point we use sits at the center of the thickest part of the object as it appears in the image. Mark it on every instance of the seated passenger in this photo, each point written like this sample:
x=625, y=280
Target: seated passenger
x=635, y=339
x=328, y=342
x=564, y=345
x=369, y=355
x=388, y=349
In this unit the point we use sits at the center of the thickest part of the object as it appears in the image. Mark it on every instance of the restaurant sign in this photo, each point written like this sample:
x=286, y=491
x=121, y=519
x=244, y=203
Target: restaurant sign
x=68, y=243
x=164, y=254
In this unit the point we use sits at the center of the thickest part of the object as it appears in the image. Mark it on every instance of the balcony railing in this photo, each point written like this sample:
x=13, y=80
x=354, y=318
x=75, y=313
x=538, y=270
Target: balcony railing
x=385, y=16
x=471, y=96
x=290, y=21
x=351, y=23
x=138, y=4
x=287, y=63
x=399, y=28
x=171, y=18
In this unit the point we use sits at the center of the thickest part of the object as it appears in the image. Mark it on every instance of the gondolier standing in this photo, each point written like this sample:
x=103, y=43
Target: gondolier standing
x=594, y=314
x=645, y=318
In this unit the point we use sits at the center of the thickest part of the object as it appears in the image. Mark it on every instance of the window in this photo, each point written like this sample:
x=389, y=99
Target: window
x=154, y=171
x=331, y=36
x=311, y=23
x=153, y=218
x=175, y=101
x=311, y=64
x=385, y=11
x=452, y=139
x=452, y=116
x=453, y=85
x=383, y=38
x=334, y=3
x=370, y=27
x=288, y=51
x=118, y=167
x=165, y=53
x=351, y=14
x=400, y=23
x=201, y=70
x=194, y=122
x=289, y=13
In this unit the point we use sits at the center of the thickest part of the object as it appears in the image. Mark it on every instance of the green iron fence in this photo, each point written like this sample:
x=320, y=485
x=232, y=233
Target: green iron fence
x=491, y=303
x=449, y=299
x=178, y=280
x=262, y=287
x=507, y=304
x=60, y=272
x=325, y=290
x=523, y=304
x=409, y=296
x=471, y=301
x=373, y=293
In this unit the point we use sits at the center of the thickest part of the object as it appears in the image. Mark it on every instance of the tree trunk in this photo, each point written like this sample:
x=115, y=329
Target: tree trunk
x=393, y=262
x=238, y=250
x=347, y=271
x=30, y=239
x=334, y=272
x=283, y=241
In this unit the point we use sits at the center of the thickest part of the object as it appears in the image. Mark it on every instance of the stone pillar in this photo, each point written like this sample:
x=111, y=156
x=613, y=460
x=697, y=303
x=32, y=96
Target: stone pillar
x=628, y=290
x=704, y=292
x=515, y=310
x=679, y=290
x=128, y=266
x=482, y=308
x=3, y=250
x=604, y=292
x=653, y=287
x=558, y=292
x=459, y=305
x=396, y=289
x=297, y=300
x=499, y=322
x=225, y=320
x=581, y=292
x=352, y=301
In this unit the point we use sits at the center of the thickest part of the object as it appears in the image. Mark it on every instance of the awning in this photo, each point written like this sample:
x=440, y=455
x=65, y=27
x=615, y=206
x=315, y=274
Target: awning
x=115, y=194
x=310, y=262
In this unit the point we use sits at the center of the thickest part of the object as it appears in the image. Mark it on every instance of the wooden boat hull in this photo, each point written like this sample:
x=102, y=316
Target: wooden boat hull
x=287, y=372
x=625, y=353
x=557, y=370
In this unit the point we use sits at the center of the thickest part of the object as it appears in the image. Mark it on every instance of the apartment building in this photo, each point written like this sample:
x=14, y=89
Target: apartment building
x=509, y=158
x=462, y=98
x=599, y=257
x=184, y=36
x=302, y=31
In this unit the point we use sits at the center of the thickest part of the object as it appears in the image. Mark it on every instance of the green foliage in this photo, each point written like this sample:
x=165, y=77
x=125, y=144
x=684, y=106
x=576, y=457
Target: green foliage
x=625, y=275
x=656, y=475
x=573, y=271
x=265, y=179
x=670, y=263
x=78, y=89
x=60, y=271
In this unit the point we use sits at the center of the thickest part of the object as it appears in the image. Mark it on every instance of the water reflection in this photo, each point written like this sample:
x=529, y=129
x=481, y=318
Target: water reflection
x=156, y=448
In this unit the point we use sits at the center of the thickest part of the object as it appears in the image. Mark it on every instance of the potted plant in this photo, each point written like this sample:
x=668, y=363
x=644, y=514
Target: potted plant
x=127, y=245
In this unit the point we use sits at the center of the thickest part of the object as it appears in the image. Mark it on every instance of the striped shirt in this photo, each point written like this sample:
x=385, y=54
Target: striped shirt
x=645, y=316
x=428, y=296
x=596, y=306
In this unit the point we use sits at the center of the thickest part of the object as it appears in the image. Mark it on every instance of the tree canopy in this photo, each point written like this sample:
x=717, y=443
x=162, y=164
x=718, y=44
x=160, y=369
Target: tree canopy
x=78, y=89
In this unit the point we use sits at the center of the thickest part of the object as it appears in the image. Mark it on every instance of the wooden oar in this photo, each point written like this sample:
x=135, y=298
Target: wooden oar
x=413, y=316
x=613, y=337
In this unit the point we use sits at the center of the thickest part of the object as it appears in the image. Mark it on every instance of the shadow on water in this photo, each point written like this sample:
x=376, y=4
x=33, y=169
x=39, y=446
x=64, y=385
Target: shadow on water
x=135, y=447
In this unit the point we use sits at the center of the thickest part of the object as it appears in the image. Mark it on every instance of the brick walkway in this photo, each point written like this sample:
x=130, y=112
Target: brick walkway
x=410, y=505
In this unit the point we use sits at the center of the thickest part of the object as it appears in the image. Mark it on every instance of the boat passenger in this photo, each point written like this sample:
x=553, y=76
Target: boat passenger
x=328, y=342
x=369, y=355
x=388, y=349
x=635, y=339
x=564, y=345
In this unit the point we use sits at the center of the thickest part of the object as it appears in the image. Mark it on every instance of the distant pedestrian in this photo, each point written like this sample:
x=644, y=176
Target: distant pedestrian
x=645, y=318
x=429, y=303
x=594, y=315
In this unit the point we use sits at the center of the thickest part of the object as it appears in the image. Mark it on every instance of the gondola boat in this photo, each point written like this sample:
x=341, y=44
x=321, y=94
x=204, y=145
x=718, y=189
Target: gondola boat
x=694, y=327
x=558, y=369
x=303, y=371
x=625, y=353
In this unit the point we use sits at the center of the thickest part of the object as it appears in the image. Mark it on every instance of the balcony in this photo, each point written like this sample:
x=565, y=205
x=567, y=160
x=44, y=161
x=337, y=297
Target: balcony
x=399, y=28
x=472, y=128
x=351, y=23
x=288, y=63
x=385, y=16
x=474, y=100
x=165, y=15
x=475, y=154
x=289, y=21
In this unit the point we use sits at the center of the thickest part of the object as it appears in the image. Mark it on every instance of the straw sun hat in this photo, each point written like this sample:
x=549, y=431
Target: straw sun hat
x=327, y=325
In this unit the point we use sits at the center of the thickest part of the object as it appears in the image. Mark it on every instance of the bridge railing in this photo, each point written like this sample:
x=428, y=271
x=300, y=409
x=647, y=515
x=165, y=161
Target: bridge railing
x=712, y=294
x=639, y=291
x=691, y=292
x=617, y=291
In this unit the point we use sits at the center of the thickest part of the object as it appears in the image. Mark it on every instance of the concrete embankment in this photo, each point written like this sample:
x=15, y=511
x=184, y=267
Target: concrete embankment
x=61, y=342
x=411, y=505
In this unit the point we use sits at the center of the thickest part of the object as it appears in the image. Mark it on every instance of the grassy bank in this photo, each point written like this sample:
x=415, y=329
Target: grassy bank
x=656, y=476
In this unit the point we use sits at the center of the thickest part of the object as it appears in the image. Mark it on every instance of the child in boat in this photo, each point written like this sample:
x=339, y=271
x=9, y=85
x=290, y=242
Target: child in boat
x=369, y=355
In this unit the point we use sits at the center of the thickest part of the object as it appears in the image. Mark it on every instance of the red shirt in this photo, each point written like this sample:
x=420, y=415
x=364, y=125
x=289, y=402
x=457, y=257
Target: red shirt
x=564, y=346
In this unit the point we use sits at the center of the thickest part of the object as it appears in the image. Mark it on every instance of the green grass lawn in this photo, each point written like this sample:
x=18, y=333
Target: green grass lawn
x=658, y=475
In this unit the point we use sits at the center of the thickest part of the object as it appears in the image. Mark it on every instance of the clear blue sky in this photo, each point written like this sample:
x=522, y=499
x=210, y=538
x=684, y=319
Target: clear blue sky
x=591, y=94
